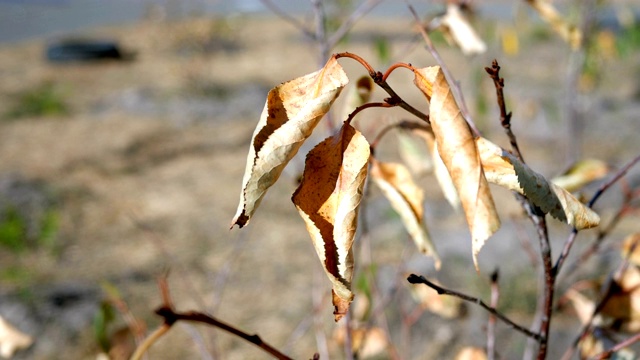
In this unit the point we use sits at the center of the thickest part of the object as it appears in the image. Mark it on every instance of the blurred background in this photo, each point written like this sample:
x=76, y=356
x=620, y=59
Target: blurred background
x=124, y=131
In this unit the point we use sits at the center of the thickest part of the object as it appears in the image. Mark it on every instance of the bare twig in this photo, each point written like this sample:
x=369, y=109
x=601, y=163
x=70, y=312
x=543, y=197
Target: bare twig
x=360, y=12
x=604, y=187
x=491, y=326
x=628, y=342
x=536, y=215
x=170, y=316
x=415, y=279
x=379, y=79
x=505, y=117
x=290, y=19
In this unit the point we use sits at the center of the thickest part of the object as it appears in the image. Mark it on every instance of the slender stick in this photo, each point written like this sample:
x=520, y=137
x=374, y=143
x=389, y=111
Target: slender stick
x=360, y=12
x=415, y=279
x=491, y=326
x=505, y=117
x=171, y=317
x=293, y=21
x=378, y=78
x=628, y=342
x=150, y=340
x=536, y=215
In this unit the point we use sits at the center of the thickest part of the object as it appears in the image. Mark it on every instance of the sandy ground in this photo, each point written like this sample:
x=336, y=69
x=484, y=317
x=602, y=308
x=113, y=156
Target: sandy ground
x=147, y=167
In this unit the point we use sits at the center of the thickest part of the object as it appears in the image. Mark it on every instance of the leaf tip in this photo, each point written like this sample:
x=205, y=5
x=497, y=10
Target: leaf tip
x=341, y=306
x=241, y=220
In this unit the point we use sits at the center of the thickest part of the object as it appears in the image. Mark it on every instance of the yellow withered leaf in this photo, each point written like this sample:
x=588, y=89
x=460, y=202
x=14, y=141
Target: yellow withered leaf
x=627, y=244
x=12, y=339
x=471, y=353
x=328, y=199
x=623, y=302
x=462, y=32
x=406, y=198
x=292, y=111
x=569, y=33
x=413, y=152
x=358, y=94
x=582, y=173
x=457, y=149
x=440, y=170
x=504, y=169
x=367, y=342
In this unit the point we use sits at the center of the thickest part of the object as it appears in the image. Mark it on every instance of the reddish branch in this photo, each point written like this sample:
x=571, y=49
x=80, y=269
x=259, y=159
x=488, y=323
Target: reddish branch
x=380, y=80
x=415, y=279
x=536, y=215
x=170, y=316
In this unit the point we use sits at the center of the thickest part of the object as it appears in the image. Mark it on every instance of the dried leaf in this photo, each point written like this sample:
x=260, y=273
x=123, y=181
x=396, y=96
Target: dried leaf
x=471, y=353
x=413, y=152
x=628, y=242
x=569, y=33
x=357, y=95
x=292, y=111
x=510, y=42
x=366, y=342
x=440, y=170
x=449, y=307
x=12, y=339
x=406, y=198
x=462, y=32
x=504, y=169
x=328, y=200
x=582, y=173
x=582, y=305
x=623, y=304
x=457, y=149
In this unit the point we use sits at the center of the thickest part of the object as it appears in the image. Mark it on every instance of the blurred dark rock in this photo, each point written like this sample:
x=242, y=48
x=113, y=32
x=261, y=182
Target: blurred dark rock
x=79, y=50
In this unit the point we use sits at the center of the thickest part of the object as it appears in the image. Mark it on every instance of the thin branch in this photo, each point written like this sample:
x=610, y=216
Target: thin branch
x=415, y=279
x=367, y=106
x=290, y=19
x=170, y=316
x=604, y=187
x=505, y=117
x=377, y=77
x=457, y=91
x=150, y=340
x=628, y=342
x=360, y=12
x=491, y=326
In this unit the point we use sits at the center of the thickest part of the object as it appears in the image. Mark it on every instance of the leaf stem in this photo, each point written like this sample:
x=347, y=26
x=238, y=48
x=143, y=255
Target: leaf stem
x=378, y=78
x=415, y=279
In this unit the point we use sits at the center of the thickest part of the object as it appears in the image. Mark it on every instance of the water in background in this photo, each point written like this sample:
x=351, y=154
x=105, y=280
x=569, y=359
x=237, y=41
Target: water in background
x=26, y=19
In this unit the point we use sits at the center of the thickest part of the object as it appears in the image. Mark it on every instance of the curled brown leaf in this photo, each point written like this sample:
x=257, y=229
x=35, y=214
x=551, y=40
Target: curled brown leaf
x=328, y=199
x=292, y=111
